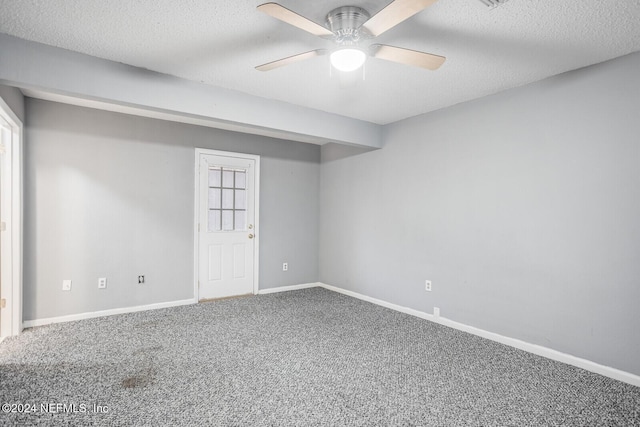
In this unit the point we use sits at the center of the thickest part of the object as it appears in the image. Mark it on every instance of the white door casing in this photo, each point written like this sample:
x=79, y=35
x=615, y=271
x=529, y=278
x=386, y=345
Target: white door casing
x=4, y=312
x=11, y=222
x=227, y=229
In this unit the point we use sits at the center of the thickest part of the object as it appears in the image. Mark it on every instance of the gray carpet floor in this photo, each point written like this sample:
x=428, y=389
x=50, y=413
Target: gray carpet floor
x=303, y=358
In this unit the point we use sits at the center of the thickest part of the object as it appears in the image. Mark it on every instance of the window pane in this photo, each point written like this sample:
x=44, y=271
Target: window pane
x=227, y=199
x=214, y=177
x=227, y=178
x=241, y=199
x=241, y=220
x=214, y=198
x=214, y=220
x=241, y=179
x=227, y=220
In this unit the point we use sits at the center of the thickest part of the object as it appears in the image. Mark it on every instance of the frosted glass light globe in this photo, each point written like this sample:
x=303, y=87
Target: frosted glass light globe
x=347, y=59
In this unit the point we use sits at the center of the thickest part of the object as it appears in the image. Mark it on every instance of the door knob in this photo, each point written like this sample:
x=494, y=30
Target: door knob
x=251, y=236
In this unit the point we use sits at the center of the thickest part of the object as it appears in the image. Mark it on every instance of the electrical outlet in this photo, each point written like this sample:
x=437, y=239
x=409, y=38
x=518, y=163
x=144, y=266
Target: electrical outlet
x=140, y=279
x=102, y=283
x=285, y=266
x=436, y=312
x=427, y=285
x=66, y=285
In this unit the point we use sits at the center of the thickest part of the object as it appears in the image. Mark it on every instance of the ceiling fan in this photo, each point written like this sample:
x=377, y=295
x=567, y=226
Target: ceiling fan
x=347, y=26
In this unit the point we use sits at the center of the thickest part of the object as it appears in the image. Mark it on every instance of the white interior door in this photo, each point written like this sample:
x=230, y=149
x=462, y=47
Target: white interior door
x=227, y=225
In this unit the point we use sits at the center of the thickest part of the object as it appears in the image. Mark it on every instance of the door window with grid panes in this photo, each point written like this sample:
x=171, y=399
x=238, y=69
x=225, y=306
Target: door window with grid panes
x=227, y=199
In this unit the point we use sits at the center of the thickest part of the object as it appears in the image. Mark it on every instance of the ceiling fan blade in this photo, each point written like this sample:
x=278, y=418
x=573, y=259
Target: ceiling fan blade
x=292, y=18
x=393, y=14
x=291, y=59
x=407, y=56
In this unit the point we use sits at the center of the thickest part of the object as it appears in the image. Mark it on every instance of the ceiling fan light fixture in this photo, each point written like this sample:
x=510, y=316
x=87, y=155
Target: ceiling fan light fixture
x=347, y=59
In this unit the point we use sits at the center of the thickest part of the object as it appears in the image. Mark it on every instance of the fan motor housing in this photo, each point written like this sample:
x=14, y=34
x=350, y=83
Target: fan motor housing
x=345, y=23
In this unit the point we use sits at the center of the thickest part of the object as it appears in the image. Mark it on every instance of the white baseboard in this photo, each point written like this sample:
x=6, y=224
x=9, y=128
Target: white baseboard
x=111, y=312
x=585, y=364
x=288, y=288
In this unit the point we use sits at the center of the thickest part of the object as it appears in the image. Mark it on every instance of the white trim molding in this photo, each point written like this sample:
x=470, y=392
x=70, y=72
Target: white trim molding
x=569, y=359
x=11, y=240
x=288, y=288
x=103, y=313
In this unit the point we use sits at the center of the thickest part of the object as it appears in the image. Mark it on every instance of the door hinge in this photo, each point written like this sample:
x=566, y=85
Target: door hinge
x=3, y=303
x=3, y=226
x=3, y=148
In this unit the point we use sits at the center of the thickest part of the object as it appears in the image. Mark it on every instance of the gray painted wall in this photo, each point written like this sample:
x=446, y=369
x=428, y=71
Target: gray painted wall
x=111, y=195
x=14, y=99
x=523, y=209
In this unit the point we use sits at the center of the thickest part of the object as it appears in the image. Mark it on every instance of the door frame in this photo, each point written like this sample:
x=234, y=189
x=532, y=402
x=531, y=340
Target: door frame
x=11, y=238
x=196, y=216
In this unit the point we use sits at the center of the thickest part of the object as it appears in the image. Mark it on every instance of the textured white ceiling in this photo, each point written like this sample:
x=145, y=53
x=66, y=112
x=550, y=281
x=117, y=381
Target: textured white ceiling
x=219, y=42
